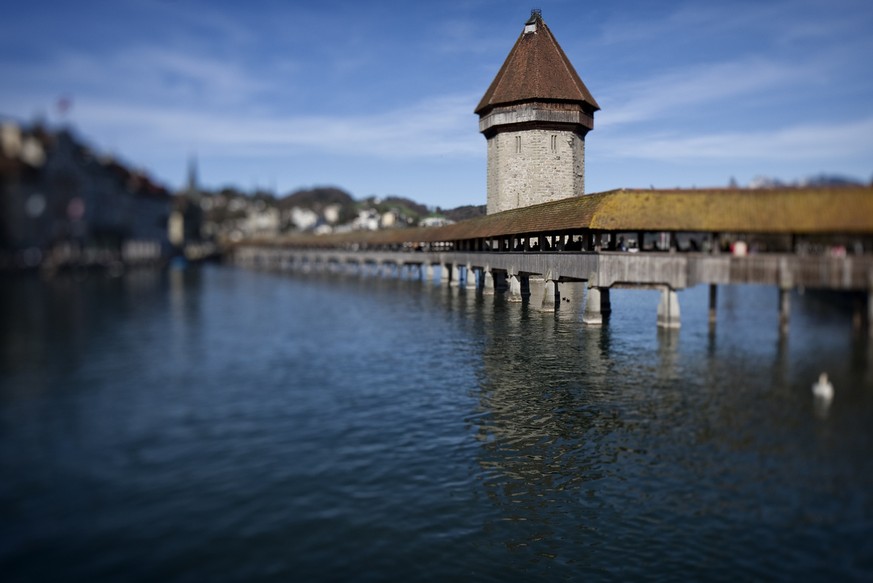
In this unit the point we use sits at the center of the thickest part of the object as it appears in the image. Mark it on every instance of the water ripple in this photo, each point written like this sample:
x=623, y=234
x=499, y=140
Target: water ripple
x=224, y=425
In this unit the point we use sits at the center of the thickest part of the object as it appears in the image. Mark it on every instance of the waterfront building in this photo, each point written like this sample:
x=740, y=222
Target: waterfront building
x=535, y=115
x=62, y=203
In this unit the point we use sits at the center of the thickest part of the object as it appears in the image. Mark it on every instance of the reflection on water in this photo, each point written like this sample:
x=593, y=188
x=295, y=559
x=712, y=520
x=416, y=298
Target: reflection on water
x=221, y=424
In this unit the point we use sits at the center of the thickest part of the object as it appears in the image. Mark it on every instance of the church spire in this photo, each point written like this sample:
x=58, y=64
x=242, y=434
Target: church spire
x=192, y=174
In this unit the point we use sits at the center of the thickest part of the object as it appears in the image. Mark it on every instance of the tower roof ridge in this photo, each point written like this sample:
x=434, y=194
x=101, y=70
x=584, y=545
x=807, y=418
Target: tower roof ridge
x=536, y=69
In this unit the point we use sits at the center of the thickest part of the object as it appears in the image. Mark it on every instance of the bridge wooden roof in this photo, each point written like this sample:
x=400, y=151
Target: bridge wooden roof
x=800, y=211
x=536, y=69
x=778, y=211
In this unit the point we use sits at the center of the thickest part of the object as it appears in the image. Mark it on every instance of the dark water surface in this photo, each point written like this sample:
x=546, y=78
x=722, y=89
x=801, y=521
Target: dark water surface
x=217, y=424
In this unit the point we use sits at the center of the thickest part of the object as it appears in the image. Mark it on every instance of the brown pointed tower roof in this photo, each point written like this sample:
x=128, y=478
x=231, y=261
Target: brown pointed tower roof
x=536, y=70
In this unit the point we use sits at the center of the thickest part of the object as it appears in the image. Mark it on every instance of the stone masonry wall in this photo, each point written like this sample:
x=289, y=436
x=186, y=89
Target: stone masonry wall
x=532, y=166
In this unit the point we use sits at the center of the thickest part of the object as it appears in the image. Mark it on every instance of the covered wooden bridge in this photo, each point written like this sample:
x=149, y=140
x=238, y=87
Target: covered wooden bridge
x=820, y=238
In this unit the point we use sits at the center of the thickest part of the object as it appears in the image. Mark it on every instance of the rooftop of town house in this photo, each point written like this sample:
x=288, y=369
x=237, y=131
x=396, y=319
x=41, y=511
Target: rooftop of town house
x=536, y=70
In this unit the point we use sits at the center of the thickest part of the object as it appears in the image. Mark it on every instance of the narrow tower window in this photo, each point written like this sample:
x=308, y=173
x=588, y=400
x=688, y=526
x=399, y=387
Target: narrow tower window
x=554, y=143
x=518, y=144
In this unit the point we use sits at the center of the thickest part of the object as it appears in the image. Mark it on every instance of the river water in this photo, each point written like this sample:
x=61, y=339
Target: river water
x=217, y=424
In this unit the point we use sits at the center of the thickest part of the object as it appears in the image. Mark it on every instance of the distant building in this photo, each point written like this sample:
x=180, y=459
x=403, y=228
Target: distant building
x=535, y=115
x=262, y=219
x=332, y=213
x=434, y=222
x=367, y=220
x=388, y=220
x=303, y=219
x=61, y=203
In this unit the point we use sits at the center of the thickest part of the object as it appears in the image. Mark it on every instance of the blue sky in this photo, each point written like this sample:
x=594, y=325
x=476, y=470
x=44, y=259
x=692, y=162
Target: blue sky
x=378, y=97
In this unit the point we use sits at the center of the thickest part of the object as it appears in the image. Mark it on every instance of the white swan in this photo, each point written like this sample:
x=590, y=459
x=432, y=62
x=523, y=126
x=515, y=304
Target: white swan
x=823, y=389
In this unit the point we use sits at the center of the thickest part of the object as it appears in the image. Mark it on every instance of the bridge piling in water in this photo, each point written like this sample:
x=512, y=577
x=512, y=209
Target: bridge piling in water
x=870, y=304
x=487, y=281
x=870, y=315
x=470, y=277
x=713, y=301
x=605, y=302
x=668, y=309
x=525, y=280
x=592, y=315
x=784, y=309
x=551, y=294
x=514, y=288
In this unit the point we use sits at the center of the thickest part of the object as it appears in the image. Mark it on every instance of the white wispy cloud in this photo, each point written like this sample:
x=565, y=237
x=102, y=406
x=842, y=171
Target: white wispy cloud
x=823, y=143
x=441, y=126
x=777, y=22
x=674, y=92
x=138, y=73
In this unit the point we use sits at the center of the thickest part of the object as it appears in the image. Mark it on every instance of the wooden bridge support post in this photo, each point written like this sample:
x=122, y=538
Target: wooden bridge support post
x=859, y=307
x=487, y=281
x=668, y=309
x=786, y=283
x=446, y=274
x=428, y=272
x=870, y=305
x=501, y=280
x=784, y=309
x=605, y=302
x=870, y=313
x=456, y=276
x=713, y=302
x=525, y=286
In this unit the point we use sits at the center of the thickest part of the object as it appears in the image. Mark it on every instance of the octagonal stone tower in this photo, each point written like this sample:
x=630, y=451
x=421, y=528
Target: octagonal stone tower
x=535, y=115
